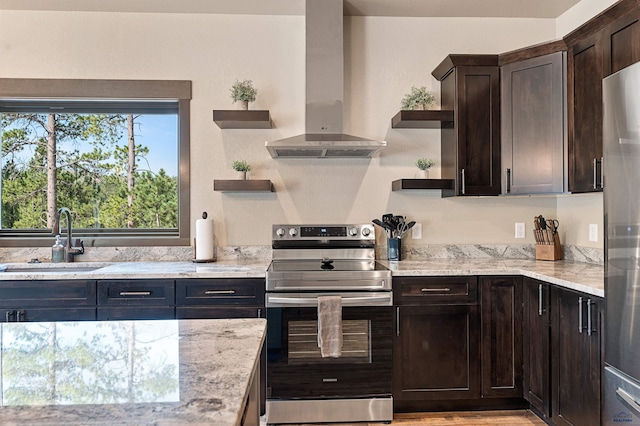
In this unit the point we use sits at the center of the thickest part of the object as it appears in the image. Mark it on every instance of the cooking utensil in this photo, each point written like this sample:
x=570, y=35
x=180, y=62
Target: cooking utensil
x=384, y=226
x=553, y=224
x=404, y=228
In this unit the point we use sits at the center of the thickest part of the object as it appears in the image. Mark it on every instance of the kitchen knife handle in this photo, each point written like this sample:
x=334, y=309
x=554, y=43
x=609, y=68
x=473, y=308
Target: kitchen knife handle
x=602, y=172
x=463, y=183
x=398, y=321
x=595, y=173
x=508, y=181
x=539, y=299
x=580, y=314
x=588, y=317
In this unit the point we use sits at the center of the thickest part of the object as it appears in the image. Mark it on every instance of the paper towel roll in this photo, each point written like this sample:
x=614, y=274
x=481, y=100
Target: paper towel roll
x=204, y=239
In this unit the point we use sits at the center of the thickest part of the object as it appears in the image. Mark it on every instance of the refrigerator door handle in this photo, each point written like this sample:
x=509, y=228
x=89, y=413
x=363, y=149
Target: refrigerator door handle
x=580, y=327
x=628, y=400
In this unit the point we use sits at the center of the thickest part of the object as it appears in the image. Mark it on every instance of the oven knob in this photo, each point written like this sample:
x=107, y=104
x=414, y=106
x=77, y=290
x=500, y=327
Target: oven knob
x=366, y=232
x=293, y=232
x=280, y=232
x=353, y=232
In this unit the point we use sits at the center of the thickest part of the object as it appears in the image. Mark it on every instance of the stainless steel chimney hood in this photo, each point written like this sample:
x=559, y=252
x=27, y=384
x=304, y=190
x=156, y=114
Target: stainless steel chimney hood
x=323, y=136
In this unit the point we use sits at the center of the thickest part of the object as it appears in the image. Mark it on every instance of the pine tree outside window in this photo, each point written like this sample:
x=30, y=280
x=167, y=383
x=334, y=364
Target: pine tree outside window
x=115, y=152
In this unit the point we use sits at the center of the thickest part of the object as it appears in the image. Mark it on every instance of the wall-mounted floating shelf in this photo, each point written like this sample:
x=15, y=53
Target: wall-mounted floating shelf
x=422, y=119
x=248, y=185
x=447, y=186
x=242, y=119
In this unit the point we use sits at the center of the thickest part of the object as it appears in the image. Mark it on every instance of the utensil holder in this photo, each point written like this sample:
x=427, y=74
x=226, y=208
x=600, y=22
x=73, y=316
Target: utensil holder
x=549, y=251
x=394, y=249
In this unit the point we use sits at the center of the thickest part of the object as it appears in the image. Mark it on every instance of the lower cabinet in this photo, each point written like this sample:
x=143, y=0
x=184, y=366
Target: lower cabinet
x=220, y=298
x=136, y=299
x=50, y=300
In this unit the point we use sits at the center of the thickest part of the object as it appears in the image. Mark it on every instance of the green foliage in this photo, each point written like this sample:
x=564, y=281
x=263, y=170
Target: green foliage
x=241, y=166
x=418, y=97
x=243, y=91
x=424, y=163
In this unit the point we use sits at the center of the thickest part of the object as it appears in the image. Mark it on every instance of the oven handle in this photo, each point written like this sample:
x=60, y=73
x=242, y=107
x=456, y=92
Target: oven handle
x=373, y=300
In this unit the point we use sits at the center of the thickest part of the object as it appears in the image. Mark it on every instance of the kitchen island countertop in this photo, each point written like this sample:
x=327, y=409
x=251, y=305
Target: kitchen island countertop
x=583, y=277
x=179, y=372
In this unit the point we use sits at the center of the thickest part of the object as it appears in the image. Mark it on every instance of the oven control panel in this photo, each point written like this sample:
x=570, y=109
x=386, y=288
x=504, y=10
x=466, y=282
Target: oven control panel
x=323, y=232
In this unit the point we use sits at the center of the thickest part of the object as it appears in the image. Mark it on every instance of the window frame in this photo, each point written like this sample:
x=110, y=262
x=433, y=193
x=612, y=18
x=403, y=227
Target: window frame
x=135, y=90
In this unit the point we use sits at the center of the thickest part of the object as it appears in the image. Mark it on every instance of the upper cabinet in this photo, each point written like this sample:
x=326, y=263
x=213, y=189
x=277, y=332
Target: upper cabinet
x=604, y=45
x=470, y=147
x=533, y=119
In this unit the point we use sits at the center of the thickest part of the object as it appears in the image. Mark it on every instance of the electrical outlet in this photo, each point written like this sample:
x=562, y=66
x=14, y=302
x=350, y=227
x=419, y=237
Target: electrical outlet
x=593, y=232
x=520, y=231
x=416, y=231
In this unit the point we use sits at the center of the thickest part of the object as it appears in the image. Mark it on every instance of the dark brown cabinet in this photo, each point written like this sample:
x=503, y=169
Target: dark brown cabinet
x=220, y=298
x=604, y=45
x=501, y=341
x=533, y=135
x=576, y=357
x=54, y=300
x=436, y=346
x=470, y=149
x=536, y=346
x=136, y=299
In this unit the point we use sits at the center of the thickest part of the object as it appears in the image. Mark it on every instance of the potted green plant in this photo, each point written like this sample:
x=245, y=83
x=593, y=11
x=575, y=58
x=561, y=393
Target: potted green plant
x=241, y=167
x=418, y=98
x=243, y=92
x=423, y=165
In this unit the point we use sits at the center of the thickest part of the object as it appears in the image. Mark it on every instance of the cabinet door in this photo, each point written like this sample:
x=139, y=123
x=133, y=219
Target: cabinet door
x=533, y=125
x=478, y=130
x=501, y=337
x=585, y=115
x=575, y=359
x=622, y=42
x=135, y=313
x=136, y=293
x=536, y=345
x=209, y=312
x=48, y=314
x=436, y=353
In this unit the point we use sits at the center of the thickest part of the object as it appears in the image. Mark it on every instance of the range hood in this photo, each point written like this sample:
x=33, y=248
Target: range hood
x=323, y=136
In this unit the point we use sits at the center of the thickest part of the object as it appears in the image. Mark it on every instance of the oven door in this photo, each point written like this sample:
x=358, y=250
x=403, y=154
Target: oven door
x=295, y=367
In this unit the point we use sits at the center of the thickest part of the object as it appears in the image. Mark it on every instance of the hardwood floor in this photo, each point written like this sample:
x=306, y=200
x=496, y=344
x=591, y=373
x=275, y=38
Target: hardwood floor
x=458, y=418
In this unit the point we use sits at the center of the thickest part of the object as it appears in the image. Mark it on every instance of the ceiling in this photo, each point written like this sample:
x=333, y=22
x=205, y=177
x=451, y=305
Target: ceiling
x=417, y=8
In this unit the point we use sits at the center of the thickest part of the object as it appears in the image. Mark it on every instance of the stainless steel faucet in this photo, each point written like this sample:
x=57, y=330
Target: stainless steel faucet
x=71, y=252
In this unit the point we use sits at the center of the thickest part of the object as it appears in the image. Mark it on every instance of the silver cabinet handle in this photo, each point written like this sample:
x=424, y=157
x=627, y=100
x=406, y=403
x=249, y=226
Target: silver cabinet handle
x=259, y=313
x=539, y=299
x=628, y=400
x=595, y=173
x=435, y=290
x=580, y=314
x=209, y=292
x=135, y=293
x=463, y=183
x=398, y=321
x=602, y=172
x=508, y=181
x=589, y=317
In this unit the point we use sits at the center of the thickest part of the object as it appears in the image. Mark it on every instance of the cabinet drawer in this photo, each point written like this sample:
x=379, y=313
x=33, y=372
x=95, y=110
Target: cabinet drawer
x=136, y=293
x=435, y=290
x=50, y=294
x=238, y=292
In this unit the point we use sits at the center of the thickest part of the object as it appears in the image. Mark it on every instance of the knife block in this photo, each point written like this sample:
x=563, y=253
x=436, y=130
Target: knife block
x=549, y=251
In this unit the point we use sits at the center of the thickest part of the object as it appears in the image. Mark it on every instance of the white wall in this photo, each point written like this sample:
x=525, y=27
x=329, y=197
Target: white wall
x=384, y=57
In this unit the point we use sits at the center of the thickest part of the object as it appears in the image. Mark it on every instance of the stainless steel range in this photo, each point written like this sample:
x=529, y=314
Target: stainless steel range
x=309, y=262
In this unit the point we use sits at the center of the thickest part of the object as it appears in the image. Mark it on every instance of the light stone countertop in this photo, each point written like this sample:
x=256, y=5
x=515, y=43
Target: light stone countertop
x=197, y=372
x=584, y=277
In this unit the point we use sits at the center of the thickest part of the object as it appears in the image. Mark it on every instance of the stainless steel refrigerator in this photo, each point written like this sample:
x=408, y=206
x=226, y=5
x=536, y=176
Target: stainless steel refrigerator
x=621, y=132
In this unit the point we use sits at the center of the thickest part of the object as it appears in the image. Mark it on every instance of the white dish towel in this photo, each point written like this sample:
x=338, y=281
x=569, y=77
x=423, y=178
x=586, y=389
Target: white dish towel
x=330, y=326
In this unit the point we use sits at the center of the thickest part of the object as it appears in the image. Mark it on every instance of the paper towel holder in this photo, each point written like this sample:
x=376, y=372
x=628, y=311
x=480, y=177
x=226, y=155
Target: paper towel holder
x=195, y=260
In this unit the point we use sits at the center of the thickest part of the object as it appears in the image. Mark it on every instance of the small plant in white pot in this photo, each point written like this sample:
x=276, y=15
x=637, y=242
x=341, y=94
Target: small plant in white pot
x=243, y=92
x=418, y=98
x=423, y=165
x=241, y=167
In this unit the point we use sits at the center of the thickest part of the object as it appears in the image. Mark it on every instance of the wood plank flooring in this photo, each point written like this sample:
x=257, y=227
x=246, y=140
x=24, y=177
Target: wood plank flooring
x=458, y=418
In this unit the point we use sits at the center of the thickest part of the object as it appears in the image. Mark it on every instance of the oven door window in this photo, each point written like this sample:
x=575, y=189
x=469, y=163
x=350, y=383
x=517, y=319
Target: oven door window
x=296, y=369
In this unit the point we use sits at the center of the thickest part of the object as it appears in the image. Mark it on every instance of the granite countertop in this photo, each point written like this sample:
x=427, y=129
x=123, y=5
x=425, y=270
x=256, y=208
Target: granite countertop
x=584, y=277
x=175, y=372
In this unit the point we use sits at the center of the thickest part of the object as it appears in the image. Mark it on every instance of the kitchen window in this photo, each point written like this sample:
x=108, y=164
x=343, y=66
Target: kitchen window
x=115, y=152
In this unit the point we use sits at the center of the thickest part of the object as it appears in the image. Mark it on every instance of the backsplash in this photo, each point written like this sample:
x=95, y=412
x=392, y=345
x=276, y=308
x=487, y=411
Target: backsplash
x=247, y=253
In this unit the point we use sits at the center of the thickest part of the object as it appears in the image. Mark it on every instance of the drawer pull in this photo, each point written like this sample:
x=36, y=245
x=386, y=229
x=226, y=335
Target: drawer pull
x=435, y=290
x=208, y=292
x=135, y=293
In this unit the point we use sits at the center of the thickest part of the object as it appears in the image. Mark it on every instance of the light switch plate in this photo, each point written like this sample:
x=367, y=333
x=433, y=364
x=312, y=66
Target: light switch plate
x=520, y=231
x=593, y=232
x=416, y=231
